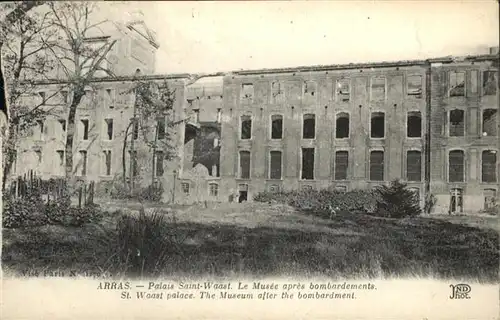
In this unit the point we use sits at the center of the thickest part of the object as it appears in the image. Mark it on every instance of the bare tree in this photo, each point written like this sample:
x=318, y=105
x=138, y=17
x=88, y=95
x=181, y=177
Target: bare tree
x=25, y=62
x=80, y=55
x=152, y=124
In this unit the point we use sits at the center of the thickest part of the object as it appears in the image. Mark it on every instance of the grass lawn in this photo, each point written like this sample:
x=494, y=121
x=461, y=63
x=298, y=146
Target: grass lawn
x=256, y=239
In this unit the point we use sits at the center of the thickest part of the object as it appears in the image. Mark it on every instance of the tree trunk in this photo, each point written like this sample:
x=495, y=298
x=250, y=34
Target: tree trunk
x=78, y=94
x=10, y=151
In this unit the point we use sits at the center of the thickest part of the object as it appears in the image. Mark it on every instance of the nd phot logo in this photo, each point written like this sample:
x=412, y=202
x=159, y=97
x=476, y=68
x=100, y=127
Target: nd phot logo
x=460, y=291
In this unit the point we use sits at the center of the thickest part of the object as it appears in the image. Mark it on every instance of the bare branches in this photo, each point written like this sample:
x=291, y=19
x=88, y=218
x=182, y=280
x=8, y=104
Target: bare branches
x=15, y=15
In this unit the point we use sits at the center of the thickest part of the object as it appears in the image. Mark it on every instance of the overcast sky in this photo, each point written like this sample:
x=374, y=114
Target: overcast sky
x=222, y=36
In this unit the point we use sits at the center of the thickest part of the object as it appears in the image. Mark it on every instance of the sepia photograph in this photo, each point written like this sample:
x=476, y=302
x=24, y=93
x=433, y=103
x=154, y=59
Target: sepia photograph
x=195, y=150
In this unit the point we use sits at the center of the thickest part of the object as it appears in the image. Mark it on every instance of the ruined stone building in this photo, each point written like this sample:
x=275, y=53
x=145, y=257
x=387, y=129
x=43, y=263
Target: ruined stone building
x=433, y=123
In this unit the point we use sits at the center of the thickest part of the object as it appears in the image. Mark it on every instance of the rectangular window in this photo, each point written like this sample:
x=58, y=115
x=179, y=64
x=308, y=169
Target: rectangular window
x=247, y=91
x=275, y=165
x=109, y=129
x=378, y=88
x=245, y=164
x=457, y=84
x=341, y=165
x=490, y=83
x=490, y=198
x=490, y=126
x=377, y=165
x=342, y=126
x=307, y=164
x=246, y=127
x=489, y=166
x=159, y=163
x=310, y=88
x=276, y=126
x=214, y=189
x=85, y=126
x=377, y=127
x=277, y=92
x=110, y=94
x=185, y=187
x=343, y=92
x=414, y=86
x=414, y=124
x=414, y=165
x=457, y=123
x=83, y=162
x=456, y=166
x=161, y=128
x=309, y=126
x=456, y=201
x=107, y=162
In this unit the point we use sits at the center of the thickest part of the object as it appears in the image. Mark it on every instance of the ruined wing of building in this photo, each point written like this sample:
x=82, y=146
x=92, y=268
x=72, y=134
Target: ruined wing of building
x=433, y=123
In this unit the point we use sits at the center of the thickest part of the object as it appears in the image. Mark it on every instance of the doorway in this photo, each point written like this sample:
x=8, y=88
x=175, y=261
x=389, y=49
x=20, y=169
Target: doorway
x=243, y=196
x=242, y=192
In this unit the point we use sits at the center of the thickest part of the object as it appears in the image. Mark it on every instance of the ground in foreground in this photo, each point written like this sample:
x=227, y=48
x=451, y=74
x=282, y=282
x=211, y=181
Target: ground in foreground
x=256, y=239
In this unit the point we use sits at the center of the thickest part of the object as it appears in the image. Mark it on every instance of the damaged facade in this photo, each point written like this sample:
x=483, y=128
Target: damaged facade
x=433, y=123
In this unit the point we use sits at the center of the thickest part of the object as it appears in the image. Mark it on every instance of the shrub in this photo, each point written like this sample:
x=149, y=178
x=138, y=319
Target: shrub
x=33, y=211
x=78, y=216
x=151, y=193
x=397, y=201
x=22, y=212
x=25, y=211
x=320, y=202
x=144, y=242
x=56, y=210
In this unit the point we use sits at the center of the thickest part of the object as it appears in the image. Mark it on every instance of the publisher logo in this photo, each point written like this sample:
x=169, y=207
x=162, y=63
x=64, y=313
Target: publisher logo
x=460, y=291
